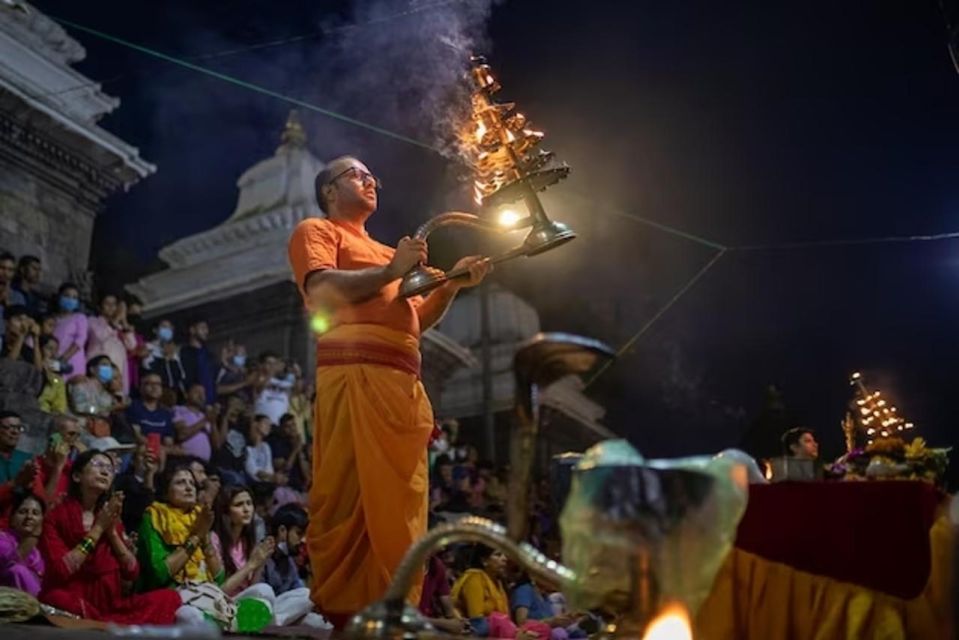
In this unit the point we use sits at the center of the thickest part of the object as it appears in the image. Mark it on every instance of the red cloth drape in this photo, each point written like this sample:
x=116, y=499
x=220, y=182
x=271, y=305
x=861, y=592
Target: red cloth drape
x=872, y=534
x=94, y=590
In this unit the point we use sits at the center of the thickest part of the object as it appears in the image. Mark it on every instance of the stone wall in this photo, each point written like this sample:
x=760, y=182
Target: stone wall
x=51, y=188
x=37, y=219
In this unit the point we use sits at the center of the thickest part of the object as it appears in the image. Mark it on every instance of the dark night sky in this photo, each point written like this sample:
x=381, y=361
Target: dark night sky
x=747, y=125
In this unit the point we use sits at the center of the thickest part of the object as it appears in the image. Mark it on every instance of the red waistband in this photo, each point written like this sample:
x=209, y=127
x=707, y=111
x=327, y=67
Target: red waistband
x=336, y=352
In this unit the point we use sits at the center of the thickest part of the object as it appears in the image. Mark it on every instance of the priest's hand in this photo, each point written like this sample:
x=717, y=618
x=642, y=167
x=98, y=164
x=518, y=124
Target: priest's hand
x=477, y=266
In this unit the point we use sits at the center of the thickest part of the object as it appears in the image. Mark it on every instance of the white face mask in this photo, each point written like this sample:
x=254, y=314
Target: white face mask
x=441, y=445
x=54, y=365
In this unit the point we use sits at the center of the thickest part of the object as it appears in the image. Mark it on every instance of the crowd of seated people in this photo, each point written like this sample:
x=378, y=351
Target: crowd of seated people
x=172, y=482
x=157, y=496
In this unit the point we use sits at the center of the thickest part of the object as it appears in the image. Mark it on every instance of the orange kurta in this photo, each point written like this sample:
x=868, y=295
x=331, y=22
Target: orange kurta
x=368, y=501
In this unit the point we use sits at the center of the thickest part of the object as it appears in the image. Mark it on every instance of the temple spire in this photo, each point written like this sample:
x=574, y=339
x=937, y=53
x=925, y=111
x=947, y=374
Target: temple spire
x=293, y=136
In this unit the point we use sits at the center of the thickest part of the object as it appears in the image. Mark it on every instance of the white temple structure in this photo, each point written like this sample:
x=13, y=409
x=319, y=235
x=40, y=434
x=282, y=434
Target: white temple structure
x=236, y=276
x=56, y=163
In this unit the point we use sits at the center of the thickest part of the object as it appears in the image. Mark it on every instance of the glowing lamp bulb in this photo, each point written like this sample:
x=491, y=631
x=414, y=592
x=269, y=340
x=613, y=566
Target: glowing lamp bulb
x=508, y=218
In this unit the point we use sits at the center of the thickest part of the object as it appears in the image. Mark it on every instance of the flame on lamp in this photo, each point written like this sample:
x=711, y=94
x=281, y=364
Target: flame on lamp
x=671, y=624
x=508, y=217
x=480, y=130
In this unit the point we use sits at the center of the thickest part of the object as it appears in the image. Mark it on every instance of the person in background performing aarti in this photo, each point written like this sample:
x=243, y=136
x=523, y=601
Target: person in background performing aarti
x=368, y=501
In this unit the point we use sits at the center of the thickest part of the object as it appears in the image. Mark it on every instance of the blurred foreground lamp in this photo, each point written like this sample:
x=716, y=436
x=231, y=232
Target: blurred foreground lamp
x=507, y=168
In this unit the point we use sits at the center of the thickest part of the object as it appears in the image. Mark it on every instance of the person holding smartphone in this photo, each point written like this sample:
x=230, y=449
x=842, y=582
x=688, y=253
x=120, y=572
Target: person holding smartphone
x=149, y=419
x=54, y=465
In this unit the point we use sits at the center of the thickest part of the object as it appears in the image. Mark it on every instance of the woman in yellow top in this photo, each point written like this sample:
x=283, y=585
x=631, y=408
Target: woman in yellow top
x=480, y=591
x=53, y=398
x=480, y=594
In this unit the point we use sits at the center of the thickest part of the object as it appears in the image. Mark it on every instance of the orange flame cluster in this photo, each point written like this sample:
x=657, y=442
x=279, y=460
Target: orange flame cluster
x=879, y=418
x=496, y=140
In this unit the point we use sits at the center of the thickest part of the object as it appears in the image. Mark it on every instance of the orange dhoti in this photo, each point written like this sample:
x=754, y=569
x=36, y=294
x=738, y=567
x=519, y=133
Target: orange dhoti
x=368, y=501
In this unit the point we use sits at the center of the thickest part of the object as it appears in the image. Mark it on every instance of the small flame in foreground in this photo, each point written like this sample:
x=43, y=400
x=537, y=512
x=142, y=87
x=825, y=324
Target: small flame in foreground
x=671, y=624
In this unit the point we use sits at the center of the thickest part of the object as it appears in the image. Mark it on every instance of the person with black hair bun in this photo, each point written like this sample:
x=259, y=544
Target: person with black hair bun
x=480, y=594
x=88, y=556
x=177, y=551
x=21, y=565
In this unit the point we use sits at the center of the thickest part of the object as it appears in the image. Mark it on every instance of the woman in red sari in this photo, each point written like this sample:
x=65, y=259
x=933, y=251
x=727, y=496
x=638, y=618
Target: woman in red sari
x=86, y=555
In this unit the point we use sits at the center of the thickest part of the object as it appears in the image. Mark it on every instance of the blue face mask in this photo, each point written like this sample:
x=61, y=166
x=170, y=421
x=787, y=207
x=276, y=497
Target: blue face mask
x=165, y=334
x=69, y=304
x=239, y=360
x=105, y=372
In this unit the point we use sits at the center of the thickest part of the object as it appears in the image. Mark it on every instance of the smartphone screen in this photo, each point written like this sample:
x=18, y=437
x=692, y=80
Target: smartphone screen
x=153, y=443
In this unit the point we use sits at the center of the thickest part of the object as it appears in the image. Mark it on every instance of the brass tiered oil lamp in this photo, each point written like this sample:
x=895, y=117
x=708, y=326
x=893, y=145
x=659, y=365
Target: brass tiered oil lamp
x=507, y=165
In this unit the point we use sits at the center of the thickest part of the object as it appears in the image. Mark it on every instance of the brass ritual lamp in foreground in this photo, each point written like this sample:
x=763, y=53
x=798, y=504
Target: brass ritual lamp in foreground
x=507, y=167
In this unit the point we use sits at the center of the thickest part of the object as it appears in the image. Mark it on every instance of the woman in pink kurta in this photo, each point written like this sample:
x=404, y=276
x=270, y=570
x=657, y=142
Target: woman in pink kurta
x=21, y=566
x=71, y=329
x=110, y=335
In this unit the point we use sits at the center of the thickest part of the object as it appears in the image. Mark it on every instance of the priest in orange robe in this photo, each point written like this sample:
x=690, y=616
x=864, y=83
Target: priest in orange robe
x=368, y=501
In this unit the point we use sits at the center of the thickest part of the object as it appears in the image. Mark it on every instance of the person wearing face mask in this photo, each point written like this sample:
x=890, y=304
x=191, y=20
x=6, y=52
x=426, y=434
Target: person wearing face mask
x=111, y=335
x=21, y=566
x=164, y=360
x=90, y=396
x=163, y=334
x=232, y=378
x=71, y=328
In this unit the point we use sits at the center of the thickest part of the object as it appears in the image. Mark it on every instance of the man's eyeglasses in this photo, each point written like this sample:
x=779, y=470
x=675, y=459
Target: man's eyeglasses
x=13, y=426
x=358, y=174
x=103, y=465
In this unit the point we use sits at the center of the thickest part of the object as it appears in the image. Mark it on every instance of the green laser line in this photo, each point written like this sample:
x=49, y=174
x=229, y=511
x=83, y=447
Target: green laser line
x=332, y=114
x=672, y=230
x=649, y=323
x=326, y=32
x=721, y=249
x=247, y=85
